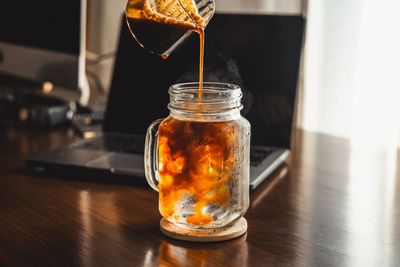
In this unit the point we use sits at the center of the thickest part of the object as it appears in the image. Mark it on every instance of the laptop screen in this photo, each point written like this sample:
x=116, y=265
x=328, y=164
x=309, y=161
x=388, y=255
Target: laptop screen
x=260, y=53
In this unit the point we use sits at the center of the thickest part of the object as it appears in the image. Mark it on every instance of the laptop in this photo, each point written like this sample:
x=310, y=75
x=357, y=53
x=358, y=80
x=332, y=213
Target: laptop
x=260, y=53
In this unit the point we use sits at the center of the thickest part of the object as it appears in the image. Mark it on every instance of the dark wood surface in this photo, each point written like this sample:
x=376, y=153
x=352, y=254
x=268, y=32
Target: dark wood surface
x=332, y=204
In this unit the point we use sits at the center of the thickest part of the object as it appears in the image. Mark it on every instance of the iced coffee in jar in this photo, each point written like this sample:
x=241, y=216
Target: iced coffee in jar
x=198, y=157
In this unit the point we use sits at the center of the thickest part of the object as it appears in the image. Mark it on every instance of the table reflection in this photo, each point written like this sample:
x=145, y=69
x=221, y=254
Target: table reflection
x=347, y=220
x=92, y=206
x=371, y=189
x=274, y=180
x=86, y=231
x=178, y=253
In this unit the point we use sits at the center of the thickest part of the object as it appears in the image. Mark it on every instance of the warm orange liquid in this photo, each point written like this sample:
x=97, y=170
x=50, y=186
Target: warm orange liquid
x=201, y=65
x=196, y=159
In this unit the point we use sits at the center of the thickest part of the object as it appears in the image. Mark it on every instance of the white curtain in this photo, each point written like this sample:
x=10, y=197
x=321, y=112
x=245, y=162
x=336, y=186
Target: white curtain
x=352, y=70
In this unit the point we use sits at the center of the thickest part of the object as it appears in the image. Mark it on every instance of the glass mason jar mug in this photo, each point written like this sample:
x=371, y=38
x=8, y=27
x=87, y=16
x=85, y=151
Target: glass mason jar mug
x=198, y=157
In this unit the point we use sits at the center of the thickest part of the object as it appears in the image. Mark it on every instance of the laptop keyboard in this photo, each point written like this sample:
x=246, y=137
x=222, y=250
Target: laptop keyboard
x=259, y=154
x=132, y=145
x=114, y=143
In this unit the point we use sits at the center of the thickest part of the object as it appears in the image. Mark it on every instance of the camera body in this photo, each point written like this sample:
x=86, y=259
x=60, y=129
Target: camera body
x=34, y=109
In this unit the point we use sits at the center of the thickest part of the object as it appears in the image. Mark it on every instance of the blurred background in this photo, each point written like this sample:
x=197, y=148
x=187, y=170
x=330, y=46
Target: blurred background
x=351, y=65
x=351, y=70
x=350, y=82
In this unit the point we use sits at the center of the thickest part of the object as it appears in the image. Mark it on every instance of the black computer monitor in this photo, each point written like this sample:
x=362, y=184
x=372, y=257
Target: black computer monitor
x=44, y=41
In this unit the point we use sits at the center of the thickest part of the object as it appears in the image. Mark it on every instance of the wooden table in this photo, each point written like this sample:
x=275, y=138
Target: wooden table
x=331, y=205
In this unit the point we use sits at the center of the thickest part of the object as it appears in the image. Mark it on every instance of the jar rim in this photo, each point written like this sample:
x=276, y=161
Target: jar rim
x=217, y=99
x=211, y=93
x=206, y=86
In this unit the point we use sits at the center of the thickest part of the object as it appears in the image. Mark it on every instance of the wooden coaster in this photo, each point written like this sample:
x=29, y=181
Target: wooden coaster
x=233, y=231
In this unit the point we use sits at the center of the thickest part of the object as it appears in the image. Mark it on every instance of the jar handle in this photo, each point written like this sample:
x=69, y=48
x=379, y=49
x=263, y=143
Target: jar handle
x=151, y=154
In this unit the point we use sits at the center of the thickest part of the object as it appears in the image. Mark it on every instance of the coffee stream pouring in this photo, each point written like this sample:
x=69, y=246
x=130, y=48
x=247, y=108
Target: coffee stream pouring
x=162, y=25
x=198, y=157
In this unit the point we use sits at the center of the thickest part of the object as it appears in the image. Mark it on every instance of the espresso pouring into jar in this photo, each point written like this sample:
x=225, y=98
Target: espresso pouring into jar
x=198, y=157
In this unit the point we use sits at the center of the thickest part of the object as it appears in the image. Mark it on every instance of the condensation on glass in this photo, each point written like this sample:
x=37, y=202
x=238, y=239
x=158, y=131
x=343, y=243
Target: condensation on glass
x=198, y=157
